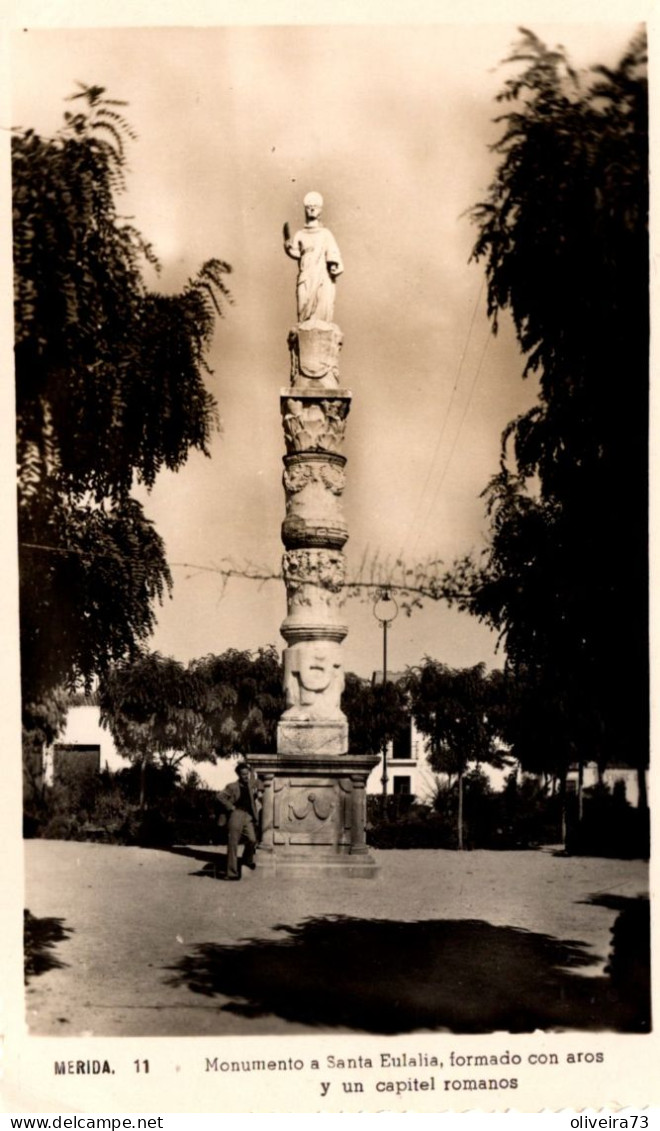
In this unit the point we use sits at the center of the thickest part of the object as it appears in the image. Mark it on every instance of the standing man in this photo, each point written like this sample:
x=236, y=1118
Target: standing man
x=239, y=800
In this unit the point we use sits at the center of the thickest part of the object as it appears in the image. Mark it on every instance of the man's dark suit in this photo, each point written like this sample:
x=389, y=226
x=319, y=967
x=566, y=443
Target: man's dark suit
x=241, y=823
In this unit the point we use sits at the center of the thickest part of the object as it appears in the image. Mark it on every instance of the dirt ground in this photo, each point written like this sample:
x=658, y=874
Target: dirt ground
x=126, y=941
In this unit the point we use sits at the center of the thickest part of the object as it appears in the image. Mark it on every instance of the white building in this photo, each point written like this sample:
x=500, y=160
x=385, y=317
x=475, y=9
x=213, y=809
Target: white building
x=83, y=730
x=626, y=775
x=407, y=767
x=408, y=770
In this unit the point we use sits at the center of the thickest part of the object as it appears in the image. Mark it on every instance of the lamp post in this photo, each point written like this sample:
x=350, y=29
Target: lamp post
x=385, y=610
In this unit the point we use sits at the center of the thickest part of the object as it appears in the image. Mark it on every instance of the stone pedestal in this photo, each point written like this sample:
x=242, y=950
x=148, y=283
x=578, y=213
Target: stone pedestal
x=314, y=348
x=314, y=814
x=300, y=736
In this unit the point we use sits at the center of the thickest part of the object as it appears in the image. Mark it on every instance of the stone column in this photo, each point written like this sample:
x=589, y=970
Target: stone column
x=314, y=412
x=314, y=804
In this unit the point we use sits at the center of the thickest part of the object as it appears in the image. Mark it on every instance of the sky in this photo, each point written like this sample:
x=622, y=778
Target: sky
x=392, y=124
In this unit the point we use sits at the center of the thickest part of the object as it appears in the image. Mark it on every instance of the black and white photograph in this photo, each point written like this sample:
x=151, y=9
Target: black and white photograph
x=331, y=573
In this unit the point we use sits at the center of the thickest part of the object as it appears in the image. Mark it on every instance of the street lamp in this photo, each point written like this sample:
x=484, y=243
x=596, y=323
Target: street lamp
x=385, y=610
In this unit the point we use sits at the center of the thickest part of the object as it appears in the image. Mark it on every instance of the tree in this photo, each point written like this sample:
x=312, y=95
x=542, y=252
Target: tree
x=42, y=722
x=154, y=706
x=109, y=390
x=563, y=233
x=245, y=701
x=452, y=707
x=157, y=708
x=376, y=714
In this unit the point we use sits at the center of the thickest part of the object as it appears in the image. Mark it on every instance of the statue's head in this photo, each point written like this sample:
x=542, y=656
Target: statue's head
x=313, y=204
x=317, y=663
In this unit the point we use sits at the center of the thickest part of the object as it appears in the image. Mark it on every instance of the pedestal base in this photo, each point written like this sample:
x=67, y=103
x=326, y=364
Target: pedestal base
x=310, y=865
x=314, y=814
x=319, y=736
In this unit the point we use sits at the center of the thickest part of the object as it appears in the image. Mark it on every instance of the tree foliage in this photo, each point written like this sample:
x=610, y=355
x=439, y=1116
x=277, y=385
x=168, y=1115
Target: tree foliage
x=109, y=389
x=453, y=709
x=456, y=710
x=246, y=700
x=376, y=713
x=563, y=234
x=160, y=710
x=43, y=719
x=153, y=705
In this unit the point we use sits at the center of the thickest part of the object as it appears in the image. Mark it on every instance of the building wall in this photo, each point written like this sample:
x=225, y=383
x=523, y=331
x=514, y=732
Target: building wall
x=416, y=768
x=423, y=779
x=83, y=728
x=611, y=776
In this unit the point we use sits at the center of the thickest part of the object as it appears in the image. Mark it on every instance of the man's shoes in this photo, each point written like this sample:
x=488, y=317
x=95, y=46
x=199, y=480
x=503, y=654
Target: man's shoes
x=250, y=864
x=231, y=879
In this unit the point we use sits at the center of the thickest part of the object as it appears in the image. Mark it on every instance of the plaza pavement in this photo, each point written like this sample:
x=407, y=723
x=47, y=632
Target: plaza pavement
x=137, y=941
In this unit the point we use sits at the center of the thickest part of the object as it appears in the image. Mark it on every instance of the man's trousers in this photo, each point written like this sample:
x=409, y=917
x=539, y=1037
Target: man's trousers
x=240, y=825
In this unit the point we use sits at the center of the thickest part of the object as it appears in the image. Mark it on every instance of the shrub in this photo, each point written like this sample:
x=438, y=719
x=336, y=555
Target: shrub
x=105, y=807
x=521, y=816
x=609, y=827
x=419, y=829
x=518, y=817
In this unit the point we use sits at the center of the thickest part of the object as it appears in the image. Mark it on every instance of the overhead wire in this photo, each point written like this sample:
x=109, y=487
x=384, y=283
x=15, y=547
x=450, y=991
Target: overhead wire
x=447, y=464
x=413, y=521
